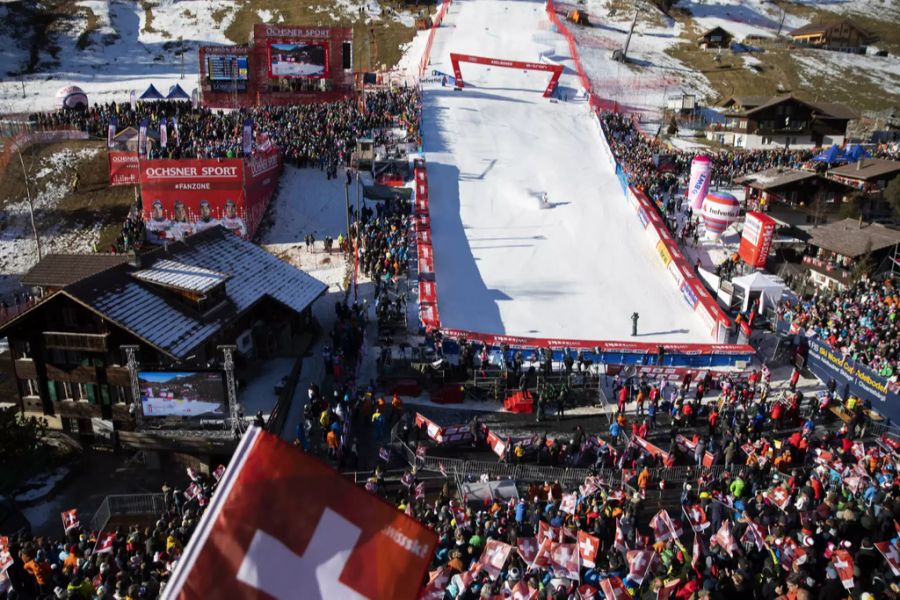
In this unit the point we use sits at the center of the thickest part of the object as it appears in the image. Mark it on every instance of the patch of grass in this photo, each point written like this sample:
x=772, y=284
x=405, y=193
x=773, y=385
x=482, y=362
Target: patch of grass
x=93, y=24
x=373, y=45
x=219, y=14
x=148, y=6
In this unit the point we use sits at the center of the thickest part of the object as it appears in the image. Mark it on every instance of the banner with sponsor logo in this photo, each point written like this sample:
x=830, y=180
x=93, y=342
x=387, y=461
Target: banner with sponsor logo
x=756, y=239
x=124, y=168
x=261, y=173
x=827, y=363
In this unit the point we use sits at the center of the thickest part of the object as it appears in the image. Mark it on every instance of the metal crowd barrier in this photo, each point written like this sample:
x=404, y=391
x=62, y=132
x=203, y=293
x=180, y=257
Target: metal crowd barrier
x=127, y=504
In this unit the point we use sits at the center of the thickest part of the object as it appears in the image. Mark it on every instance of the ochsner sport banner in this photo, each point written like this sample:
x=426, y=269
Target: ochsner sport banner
x=124, y=168
x=181, y=197
x=827, y=363
x=698, y=185
x=247, y=138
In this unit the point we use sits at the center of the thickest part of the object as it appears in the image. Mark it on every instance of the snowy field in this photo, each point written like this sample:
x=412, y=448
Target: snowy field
x=503, y=265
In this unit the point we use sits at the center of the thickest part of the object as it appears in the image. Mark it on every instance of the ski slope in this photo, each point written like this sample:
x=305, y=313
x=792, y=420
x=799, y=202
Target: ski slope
x=503, y=265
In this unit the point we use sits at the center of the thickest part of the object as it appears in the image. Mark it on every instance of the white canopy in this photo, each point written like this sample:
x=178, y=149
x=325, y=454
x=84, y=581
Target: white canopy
x=768, y=286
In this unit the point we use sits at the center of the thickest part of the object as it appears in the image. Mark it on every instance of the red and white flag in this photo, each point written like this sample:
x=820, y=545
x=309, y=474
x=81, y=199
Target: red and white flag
x=466, y=578
x=217, y=474
x=697, y=551
x=587, y=592
x=105, y=542
x=668, y=589
x=527, y=548
x=460, y=515
x=546, y=532
x=569, y=503
x=888, y=551
x=779, y=496
x=564, y=560
x=588, y=546
x=619, y=541
x=663, y=527
x=345, y=543
x=696, y=516
x=192, y=474
x=843, y=564
x=614, y=589
x=641, y=563
x=494, y=556
x=70, y=520
x=192, y=491
x=791, y=552
x=542, y=556
x=754, y=535
x=590, y=486
x=725, y=537
x=858, y=450
x=420, y=490
x=437, y=584
x=6, y=559
x=521, y=591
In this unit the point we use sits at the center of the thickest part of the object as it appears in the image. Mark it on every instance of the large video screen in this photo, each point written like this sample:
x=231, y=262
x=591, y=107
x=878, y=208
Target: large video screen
x=227, y=72
x=182, y=394
x=300, y=59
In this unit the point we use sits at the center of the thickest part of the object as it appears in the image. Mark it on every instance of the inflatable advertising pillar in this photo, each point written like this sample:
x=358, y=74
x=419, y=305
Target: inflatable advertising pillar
x=720, y=209
x=698, y=185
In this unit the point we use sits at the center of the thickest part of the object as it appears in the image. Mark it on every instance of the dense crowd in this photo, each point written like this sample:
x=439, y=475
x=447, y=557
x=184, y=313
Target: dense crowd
x=860, y=322
x=320, y=135
x=125, y=563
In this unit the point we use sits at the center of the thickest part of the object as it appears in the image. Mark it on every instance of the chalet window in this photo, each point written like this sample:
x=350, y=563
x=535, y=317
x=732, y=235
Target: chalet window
x=30, y=387
x=69, y=317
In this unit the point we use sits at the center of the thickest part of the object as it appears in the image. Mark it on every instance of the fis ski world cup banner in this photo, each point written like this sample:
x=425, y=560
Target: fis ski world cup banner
x=756, y=240
x=124, y=168
x=827, y=363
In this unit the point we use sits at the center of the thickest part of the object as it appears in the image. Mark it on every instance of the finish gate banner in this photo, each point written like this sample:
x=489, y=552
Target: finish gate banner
x=285, y=525
x=756, y=240
x=124, y=168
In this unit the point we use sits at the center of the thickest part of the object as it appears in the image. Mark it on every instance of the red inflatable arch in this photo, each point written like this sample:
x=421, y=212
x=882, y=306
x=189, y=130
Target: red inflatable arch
x=556, y=70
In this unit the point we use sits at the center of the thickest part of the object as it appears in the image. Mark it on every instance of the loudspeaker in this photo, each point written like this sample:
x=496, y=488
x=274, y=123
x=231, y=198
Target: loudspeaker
x=347, y=56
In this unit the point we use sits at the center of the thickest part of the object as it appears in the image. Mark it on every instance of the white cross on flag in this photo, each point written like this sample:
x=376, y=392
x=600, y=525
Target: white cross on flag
x=619, y=541
x=437, y=584
x=521, y=591
x=888, y=550
x=697, y=551
x=843, y=564
x=587, y=548
x=668, y=589
x=779, y=497
x=6, y=559
x=339, y=542
x=754, y=535
x=466, y=578
x=663, y=527
x=494, y=556
x=589, y=487
x=70, y=520
x=725, y=537
x=587, y=592
x=696, y=516
x=420, y=491
x=542, y=556
x=791, y=553
x=641, y=563
x=546, y=532
x=527, y=548
x=105, y=542
x=564, y=560
x=569, y=502
x=192, y=491
x=614, y=589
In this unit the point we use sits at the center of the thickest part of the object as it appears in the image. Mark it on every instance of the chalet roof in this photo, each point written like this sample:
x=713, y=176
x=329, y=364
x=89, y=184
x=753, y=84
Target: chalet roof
x=822, y=27
x=133, y=298
x=179, y=276
x=60, y=270
x=850, y=238
x=714, y=30
x=867, y=169
x=746, y=102
x=827, y=110
x=774, y=178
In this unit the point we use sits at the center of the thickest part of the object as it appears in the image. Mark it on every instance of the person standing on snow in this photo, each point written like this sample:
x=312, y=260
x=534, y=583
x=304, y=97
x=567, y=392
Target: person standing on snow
x=634, y=322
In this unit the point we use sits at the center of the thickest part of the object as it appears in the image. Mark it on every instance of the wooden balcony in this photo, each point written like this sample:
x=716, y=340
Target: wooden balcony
x=88, y=342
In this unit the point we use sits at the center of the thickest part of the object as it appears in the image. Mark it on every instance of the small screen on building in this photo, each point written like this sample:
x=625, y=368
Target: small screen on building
x=182, y=394
x=302, y=59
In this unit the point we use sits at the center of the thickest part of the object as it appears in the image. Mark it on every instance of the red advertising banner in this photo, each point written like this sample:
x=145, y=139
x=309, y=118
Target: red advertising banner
x=756, y=241
x=124, y=168
x=261, y=173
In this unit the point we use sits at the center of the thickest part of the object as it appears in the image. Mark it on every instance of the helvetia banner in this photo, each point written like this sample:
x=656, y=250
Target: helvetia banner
x=124, y=168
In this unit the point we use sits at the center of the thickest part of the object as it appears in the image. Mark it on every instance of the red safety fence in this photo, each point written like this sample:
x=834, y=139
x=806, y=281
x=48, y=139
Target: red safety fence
x=426, y=55
x=428, y=306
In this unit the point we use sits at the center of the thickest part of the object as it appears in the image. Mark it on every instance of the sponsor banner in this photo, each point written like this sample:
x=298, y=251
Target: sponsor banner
x=181, y=197
x=664, y=254
x=430, y=317
x=642, y=215
x=650, y=448
x=124, y=168
x=756, y=239
x=427, y=292
x=687, y=293
x=827, y=363
x=676, y=273
x=261, y=174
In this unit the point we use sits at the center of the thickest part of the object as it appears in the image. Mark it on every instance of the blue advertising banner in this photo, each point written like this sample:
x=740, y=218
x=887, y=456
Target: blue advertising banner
x=827, y=363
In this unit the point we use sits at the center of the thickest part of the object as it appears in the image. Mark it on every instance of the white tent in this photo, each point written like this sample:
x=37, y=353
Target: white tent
x=767, y=287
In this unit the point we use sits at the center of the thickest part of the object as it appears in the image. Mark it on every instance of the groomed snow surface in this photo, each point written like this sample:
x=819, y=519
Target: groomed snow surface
x=503, y=265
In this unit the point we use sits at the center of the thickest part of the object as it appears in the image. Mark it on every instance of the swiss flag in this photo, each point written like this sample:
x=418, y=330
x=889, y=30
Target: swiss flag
x=6, y=560
x=340, y=541
x=521, y=591
x=546, y=532
x=587, y=592
x=587, y=548
x=192, y=491
x=663, y=527
x=614, y=589
x=754, y=535
x=641, y=563
x=843, y=564
x=696, y=516
x=217, y=474
x=437, y=584
x=569, y=502
x=105, y=542
x=791, y=553
x=527, y=548
x=725, y=537
x=494, y=556
x=542, y=556
x=888, y=550
x=564, y=560
x=668, y=589
x=779, y=496
x=70, y=520
x=619, y=541
x=697, y=551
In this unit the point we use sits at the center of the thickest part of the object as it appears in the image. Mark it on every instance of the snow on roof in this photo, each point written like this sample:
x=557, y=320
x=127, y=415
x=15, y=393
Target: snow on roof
x=250, y=274
x=170, y=273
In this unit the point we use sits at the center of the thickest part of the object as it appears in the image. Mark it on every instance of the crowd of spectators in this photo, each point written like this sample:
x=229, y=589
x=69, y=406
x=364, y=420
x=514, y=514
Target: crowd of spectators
x=860, y=322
